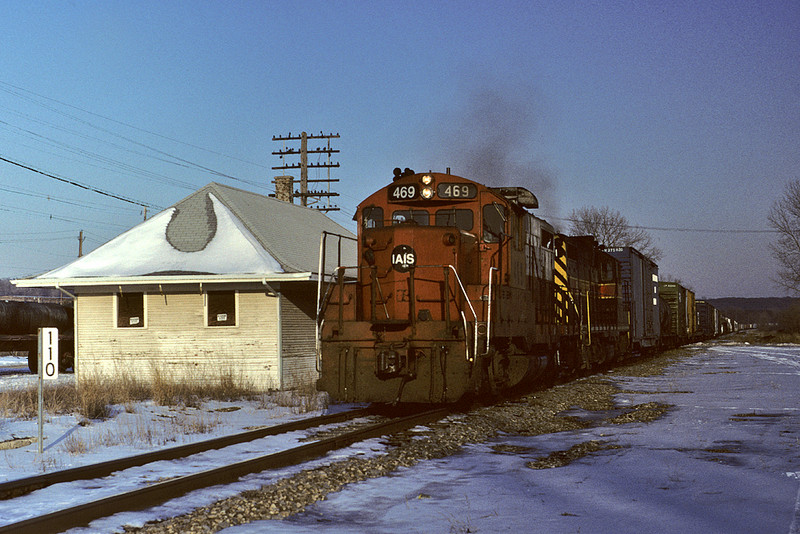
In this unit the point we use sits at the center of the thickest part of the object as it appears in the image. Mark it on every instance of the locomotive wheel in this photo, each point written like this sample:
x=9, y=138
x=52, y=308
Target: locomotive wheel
x=33, y=361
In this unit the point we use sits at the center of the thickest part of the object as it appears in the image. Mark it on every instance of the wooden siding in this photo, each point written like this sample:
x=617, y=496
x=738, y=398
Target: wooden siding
x=298, y=318
x=175, y=342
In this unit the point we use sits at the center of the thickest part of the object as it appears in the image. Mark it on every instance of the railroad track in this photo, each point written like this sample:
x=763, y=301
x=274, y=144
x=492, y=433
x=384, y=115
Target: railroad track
x=157, y=493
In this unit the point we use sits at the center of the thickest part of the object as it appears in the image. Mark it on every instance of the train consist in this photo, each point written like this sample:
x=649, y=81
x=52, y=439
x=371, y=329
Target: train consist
x=460, y=290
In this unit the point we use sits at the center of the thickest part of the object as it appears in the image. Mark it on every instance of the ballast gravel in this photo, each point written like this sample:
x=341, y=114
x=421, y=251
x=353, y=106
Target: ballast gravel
x=542, y=412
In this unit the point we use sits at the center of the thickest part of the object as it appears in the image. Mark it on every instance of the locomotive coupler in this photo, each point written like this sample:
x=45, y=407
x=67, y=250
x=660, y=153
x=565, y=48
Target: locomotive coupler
x=395, y=360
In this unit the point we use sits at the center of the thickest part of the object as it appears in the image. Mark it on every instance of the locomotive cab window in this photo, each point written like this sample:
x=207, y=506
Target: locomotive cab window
x=461, y=219
x=372, y=217
x=494, y=219
x=221, y=308
x=547, y=239
x=130, y=310
x=420, y=217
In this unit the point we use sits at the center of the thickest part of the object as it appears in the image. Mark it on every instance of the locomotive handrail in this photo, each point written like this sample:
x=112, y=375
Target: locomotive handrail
x=475, y=315
x=335, y=279
x=323, y=241
x=489, y=310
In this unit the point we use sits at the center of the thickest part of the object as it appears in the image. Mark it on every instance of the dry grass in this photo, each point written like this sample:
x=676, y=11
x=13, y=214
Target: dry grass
x=301, y=400
x=95, y=396
x=24, y=403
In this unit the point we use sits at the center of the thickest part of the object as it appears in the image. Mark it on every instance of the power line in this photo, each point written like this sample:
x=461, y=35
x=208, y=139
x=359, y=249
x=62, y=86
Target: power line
x=175, y=160
x=98, y=157
x=210, y=151
x=52, y=217
x=90, y=205
x=80, y=185
x=680, y=229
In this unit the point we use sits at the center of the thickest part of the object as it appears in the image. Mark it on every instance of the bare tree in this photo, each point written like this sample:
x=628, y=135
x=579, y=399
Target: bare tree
x=612, y=229
x=784, y=216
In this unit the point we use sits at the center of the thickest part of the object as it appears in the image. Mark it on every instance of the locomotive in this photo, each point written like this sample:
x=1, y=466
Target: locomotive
x=460, y=290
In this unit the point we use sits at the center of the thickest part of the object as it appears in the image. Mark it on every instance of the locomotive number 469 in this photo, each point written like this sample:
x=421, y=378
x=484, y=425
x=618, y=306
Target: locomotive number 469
x=457, y=191
x=403, y=192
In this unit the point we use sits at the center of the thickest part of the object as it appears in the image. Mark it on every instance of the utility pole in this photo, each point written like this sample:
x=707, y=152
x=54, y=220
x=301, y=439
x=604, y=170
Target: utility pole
x=316, y=196
x=80, y=244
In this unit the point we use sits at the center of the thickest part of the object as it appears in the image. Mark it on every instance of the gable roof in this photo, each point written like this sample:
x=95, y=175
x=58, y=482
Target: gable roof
x=218, y=231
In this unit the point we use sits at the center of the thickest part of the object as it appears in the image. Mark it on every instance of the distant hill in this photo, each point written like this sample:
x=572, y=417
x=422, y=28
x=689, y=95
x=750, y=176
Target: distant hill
x=755, y=310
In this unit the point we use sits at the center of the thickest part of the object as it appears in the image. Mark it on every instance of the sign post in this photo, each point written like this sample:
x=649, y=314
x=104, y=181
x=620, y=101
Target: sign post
x=48, y=370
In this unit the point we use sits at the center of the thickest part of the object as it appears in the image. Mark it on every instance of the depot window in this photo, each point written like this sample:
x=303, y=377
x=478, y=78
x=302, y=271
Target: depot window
x=461, y=219
x=130, y=310
x=420, y=217
x=221, y=308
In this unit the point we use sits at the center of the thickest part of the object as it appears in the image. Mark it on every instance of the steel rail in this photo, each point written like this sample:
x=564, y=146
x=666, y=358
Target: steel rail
x=158, y=493
x=15, y=488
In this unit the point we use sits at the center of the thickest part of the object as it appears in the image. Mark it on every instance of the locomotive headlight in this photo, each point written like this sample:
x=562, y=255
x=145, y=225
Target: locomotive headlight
x=427, y=193
x=427, y=179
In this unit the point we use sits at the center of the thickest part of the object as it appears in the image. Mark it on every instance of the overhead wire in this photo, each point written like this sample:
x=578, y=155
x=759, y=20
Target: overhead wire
x=70, y=202
x=173, y=159
x=156, y=134
x=98, y=157
x=677, y=229
x=52, y=217
x=78, y=184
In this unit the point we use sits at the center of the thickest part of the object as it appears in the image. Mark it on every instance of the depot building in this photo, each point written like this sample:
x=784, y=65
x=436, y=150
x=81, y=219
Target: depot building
x=223, y=283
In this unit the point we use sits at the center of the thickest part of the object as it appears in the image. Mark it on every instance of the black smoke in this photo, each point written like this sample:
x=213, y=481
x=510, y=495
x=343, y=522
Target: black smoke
x=494, y=136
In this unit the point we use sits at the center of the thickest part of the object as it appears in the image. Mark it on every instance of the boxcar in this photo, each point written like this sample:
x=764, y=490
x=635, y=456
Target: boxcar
x=682, y=319
x=639, y=297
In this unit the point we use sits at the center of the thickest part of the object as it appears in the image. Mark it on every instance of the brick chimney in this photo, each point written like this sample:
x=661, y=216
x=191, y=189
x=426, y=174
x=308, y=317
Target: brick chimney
x=284, y=188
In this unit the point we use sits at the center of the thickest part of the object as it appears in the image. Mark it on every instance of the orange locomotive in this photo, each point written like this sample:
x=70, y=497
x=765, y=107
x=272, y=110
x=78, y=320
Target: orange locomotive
x=454, y=294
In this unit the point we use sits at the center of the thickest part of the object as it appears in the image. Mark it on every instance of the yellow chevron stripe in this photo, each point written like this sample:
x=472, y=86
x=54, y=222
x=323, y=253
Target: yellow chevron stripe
x=560, y=278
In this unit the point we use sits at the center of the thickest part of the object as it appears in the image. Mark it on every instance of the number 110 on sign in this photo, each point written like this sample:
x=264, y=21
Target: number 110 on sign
x=48, y=353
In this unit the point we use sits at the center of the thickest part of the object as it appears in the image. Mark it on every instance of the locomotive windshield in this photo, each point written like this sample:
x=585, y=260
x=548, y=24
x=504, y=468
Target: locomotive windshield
x=461, y=219
x=420, y=217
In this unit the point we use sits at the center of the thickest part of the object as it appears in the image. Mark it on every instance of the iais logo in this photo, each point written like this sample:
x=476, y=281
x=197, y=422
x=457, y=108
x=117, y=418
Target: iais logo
x=403, y=258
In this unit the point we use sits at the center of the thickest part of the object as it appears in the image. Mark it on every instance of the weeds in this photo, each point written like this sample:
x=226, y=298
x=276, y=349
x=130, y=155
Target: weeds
x=75, y=445
x=301, y=400
x=95, y=397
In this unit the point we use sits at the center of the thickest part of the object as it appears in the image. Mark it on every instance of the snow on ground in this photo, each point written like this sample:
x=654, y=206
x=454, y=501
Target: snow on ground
x=726, y=458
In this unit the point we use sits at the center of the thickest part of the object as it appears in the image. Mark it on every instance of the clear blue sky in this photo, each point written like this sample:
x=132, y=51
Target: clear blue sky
x=681, y=115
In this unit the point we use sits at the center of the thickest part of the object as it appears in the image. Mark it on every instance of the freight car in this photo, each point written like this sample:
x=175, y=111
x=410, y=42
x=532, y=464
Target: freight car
x=19, y=325
x=682, y=323
x=639, y=298
x=708, y=320
x=458, y=290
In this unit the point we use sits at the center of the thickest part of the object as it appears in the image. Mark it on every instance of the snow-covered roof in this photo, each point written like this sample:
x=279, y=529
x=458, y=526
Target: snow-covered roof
x=217, y=233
